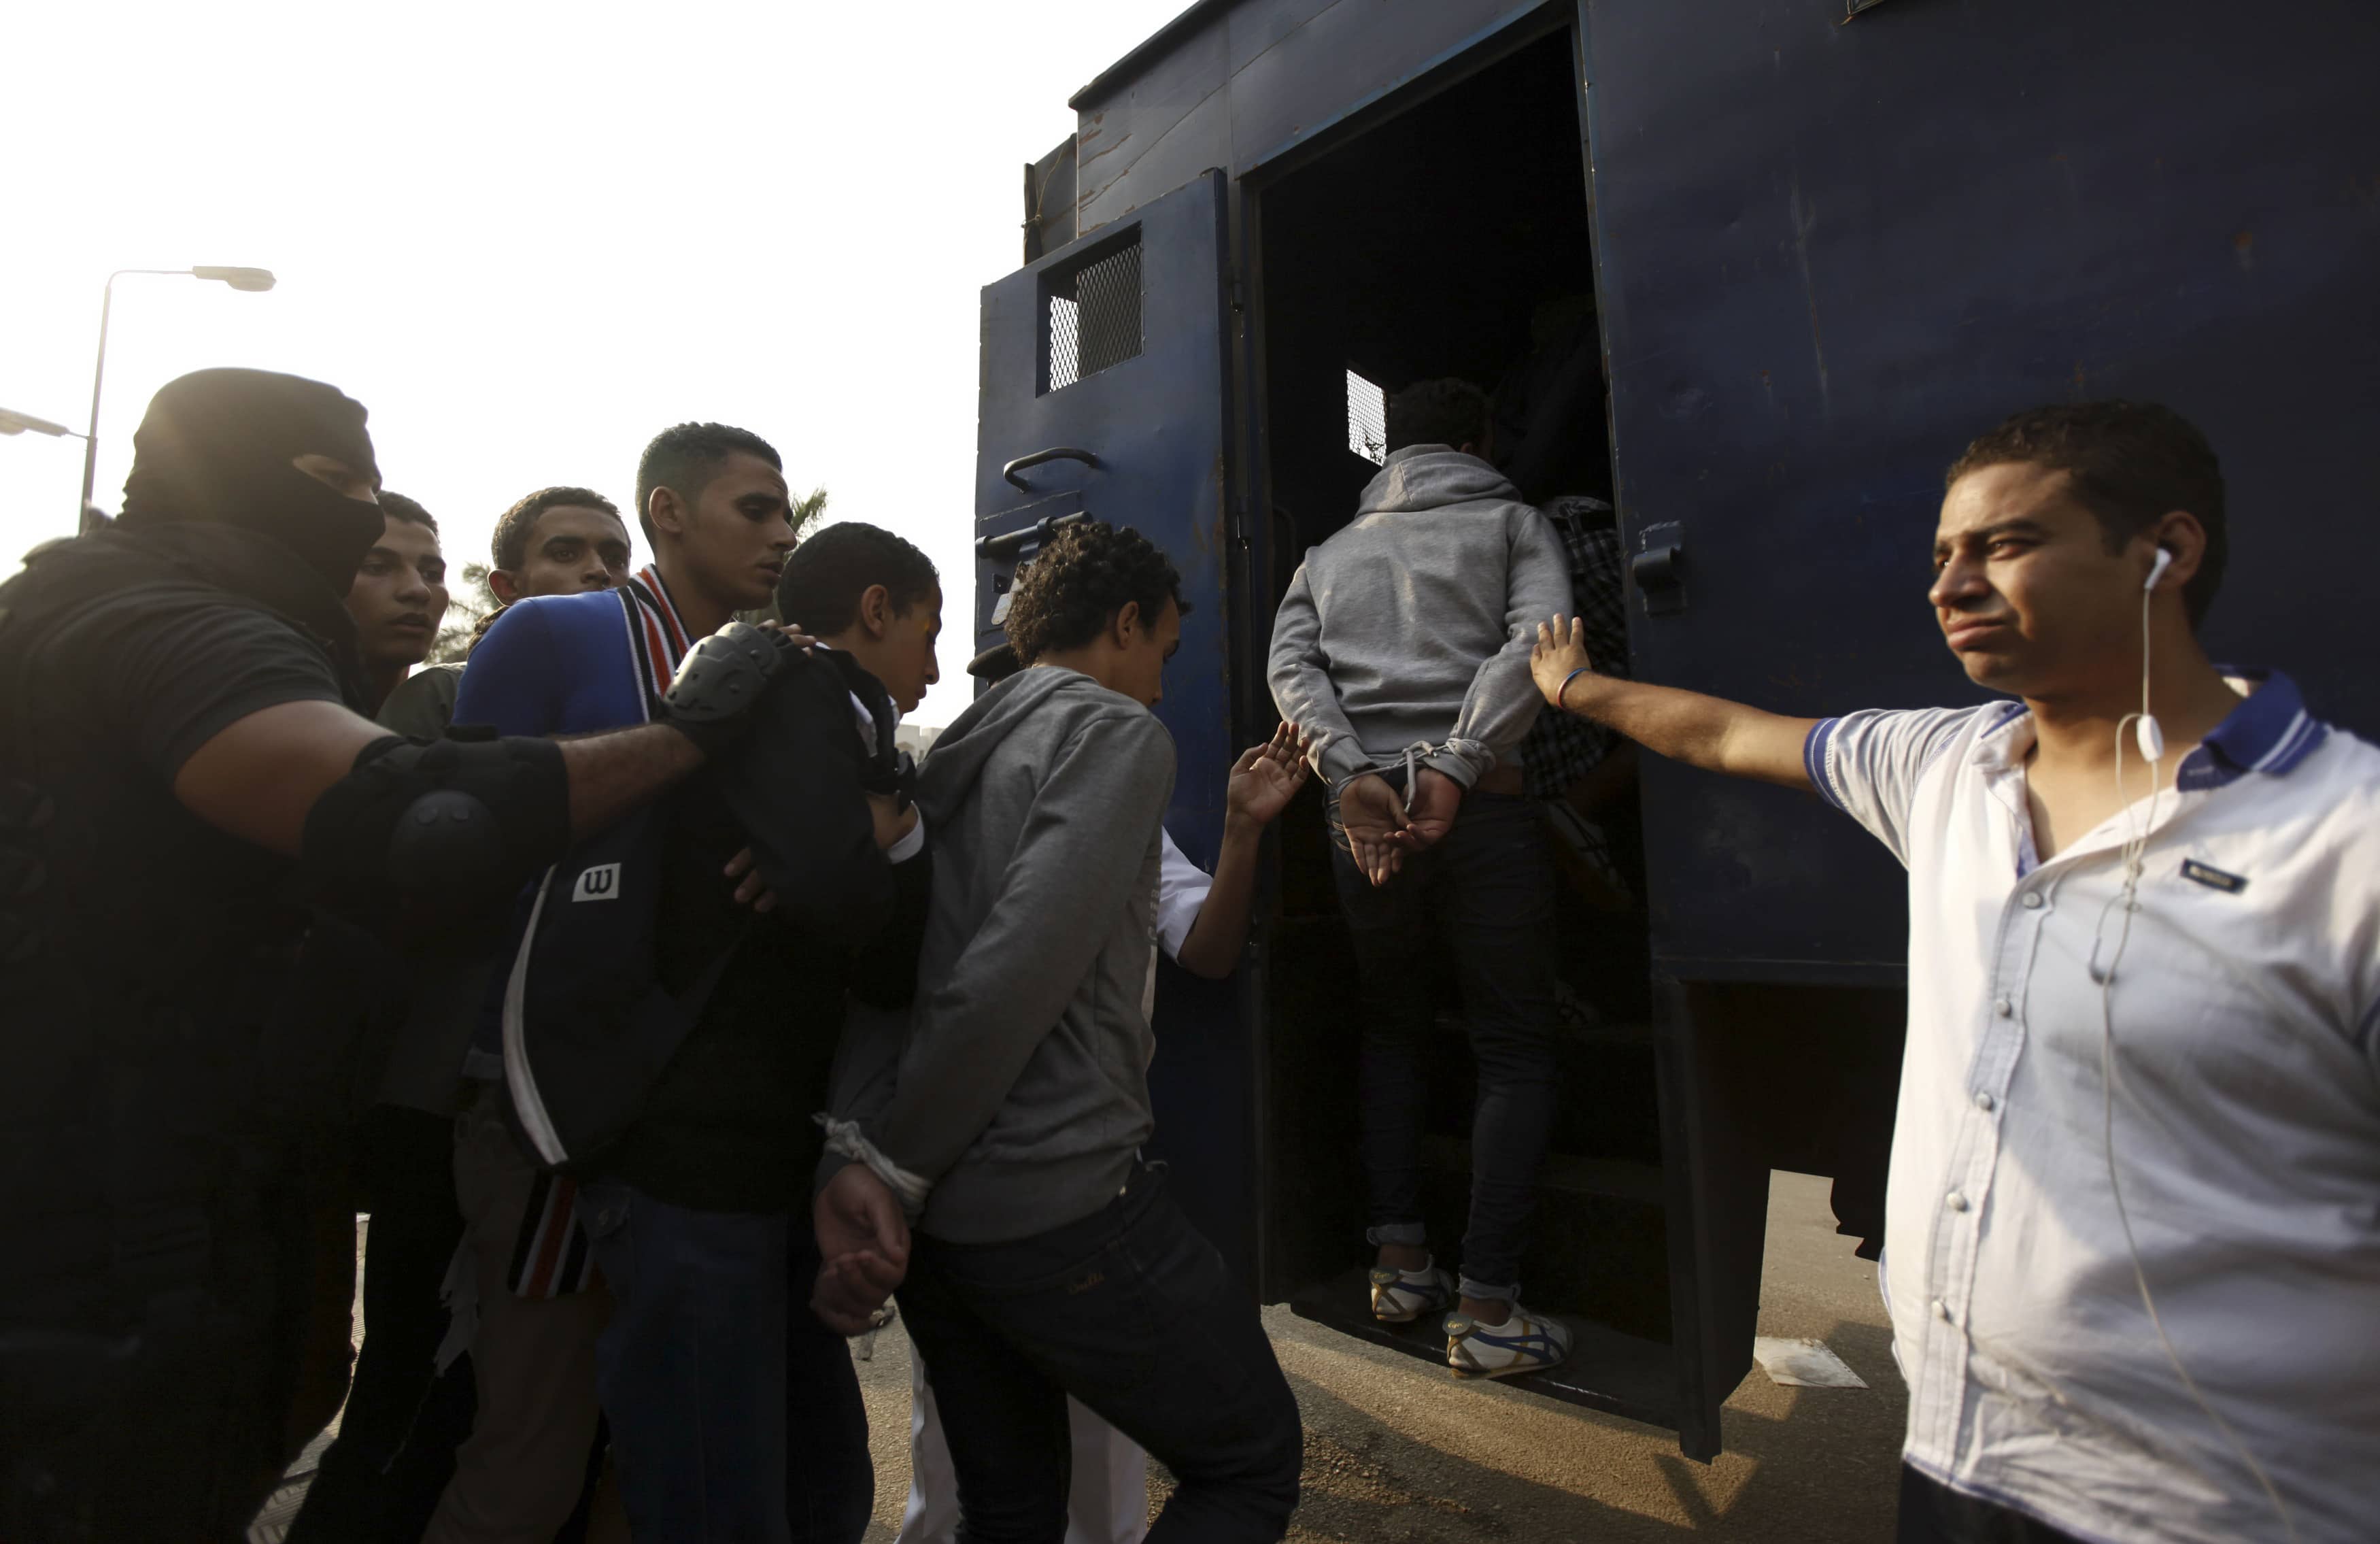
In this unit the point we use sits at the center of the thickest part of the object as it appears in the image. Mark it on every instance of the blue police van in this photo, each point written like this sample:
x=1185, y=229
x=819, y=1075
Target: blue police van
x=1812, y=246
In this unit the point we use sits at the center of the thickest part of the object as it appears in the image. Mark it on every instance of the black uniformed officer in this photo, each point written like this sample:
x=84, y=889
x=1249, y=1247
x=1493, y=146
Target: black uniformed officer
x=181, y=764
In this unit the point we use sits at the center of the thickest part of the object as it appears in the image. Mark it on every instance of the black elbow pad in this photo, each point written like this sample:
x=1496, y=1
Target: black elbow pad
x=471, y=820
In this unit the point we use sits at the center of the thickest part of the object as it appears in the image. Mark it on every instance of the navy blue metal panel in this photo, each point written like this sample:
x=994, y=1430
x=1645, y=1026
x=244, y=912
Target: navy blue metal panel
x=1156, y=424
x=1288, y=82
x=1233, y=84
x=1831, y=254
x=1143, y=57
x=1165, y=124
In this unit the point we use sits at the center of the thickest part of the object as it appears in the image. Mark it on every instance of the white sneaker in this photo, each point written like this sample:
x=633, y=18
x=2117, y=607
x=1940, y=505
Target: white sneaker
x=1402, y=1296
x=1527, y=1341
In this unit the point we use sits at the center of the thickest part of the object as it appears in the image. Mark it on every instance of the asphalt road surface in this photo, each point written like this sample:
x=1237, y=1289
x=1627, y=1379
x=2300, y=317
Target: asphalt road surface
x=1399, y=1453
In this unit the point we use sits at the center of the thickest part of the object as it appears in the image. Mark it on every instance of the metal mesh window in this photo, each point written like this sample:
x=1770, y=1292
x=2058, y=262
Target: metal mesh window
x=1367, y=419
x=1094, y=316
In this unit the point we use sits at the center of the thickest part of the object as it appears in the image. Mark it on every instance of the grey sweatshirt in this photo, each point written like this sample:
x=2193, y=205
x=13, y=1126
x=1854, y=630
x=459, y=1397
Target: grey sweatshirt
x=1017, y=1084
x=1412, y=626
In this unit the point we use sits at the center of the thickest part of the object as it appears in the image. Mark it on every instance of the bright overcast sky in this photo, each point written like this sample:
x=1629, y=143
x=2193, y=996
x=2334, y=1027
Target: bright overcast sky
x=527, y=236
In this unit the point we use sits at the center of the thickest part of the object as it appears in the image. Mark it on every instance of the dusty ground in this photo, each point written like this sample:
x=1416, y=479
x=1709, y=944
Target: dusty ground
x=1396, y=1453
x=1399, y=1453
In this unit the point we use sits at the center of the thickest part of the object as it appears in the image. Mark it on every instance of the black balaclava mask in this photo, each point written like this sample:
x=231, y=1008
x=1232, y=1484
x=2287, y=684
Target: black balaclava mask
x=215, y=449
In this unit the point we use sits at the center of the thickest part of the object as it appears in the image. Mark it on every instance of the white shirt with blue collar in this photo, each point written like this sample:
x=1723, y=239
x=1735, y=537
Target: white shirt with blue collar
x=2246, y=1030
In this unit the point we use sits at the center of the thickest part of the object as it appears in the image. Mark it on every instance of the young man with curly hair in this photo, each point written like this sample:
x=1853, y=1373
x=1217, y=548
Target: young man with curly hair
x=1005, y=1125
x=1202, y=926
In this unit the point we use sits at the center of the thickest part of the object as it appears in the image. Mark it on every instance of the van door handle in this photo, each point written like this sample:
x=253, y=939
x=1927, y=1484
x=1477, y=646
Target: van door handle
x=1008, y=545
x=1056, y=453
x=1658, y=570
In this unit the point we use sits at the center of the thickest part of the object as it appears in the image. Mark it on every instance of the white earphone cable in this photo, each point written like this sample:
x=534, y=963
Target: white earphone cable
x=2135, y=856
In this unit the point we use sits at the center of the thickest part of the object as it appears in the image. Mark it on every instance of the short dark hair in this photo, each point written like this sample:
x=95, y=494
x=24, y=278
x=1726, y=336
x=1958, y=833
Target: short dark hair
x=685, y=457
x=513, y=527
x=396, y=507
x=1081, y=577
x=1445, y=412
x=820, y=590
x=2130, y=464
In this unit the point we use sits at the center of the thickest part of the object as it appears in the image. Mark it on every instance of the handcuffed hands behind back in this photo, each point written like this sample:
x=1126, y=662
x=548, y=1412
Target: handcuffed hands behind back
x=864, y=1240
x=1384, y=827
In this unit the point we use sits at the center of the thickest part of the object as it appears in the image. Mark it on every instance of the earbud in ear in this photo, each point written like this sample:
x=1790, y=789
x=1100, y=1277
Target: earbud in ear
x=2149, y=736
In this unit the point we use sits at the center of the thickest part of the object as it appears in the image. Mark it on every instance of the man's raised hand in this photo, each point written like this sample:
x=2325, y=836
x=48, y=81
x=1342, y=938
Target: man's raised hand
x=1706, y=732
x=1264, y=779
x=1559, y=654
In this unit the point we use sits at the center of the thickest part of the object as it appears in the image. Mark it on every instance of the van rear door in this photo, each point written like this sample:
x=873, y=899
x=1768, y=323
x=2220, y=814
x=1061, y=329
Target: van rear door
x=1105, y=396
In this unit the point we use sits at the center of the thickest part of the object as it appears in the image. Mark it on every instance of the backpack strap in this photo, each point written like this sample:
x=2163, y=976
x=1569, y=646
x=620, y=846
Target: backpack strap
x=535, y=1122
x=529, y=1104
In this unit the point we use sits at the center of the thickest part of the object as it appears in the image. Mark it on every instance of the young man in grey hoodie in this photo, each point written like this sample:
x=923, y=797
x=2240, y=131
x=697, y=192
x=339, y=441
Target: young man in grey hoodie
x=1006, y=1123
x=1403, y=646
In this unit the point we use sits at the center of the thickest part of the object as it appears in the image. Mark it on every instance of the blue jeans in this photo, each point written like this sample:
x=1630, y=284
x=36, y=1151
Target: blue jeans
x=710, y=1364
x=1486, y=892
x=1133, y=1313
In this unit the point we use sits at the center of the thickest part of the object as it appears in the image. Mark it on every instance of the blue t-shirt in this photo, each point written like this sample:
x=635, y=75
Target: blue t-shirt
x=555, y=664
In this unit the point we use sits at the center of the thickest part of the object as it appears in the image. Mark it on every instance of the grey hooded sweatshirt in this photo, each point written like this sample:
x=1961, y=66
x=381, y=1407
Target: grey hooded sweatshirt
x=1017, y=1084
x=1412, y=626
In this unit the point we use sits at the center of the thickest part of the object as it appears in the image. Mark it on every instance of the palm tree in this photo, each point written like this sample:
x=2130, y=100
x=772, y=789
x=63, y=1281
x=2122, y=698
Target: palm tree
x=806, y=512
x=467, y=605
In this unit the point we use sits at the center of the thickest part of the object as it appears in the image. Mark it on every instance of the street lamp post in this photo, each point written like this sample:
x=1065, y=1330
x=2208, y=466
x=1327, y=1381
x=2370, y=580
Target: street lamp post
x=249, y=279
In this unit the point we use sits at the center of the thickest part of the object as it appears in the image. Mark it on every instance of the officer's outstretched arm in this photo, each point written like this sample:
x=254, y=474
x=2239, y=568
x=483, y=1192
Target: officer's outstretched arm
x=360, y=806
x=1706, y=732
x=267, y=776
x=257, y=777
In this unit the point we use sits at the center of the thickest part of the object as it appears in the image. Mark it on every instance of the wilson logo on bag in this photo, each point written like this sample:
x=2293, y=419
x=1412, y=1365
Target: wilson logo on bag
x=587, y=1026
x=599, y=884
